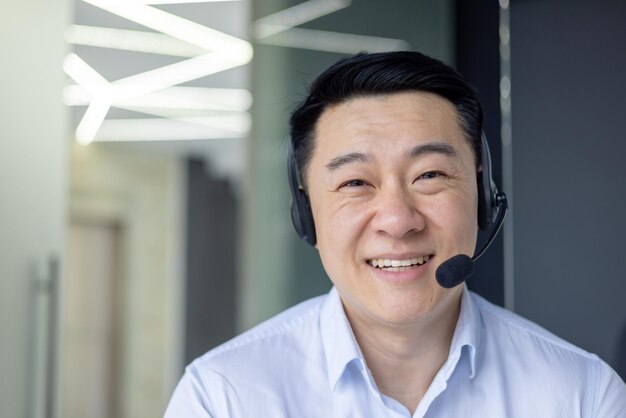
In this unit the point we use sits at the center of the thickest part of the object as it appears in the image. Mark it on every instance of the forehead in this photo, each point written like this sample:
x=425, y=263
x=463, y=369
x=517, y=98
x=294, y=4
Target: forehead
x=387, y=120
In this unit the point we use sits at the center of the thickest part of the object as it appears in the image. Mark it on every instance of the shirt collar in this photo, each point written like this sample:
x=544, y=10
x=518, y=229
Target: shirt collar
x=468, y=330
x=341, y=348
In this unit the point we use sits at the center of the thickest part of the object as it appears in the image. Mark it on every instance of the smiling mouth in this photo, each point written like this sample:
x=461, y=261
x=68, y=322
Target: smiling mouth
x=398, y=265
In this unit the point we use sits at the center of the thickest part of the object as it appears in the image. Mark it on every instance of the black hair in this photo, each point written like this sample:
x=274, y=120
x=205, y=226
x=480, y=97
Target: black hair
x=380, y=74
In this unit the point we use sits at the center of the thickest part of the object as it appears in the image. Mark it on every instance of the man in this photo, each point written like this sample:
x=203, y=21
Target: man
x=392, y=185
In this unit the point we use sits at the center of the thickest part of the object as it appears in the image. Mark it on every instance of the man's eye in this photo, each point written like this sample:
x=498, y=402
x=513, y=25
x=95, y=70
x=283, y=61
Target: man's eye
x=430, y=175
x=353, y=183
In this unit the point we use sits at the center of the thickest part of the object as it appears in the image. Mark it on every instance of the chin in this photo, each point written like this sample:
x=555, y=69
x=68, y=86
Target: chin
x=414, y=306
x=401, y=309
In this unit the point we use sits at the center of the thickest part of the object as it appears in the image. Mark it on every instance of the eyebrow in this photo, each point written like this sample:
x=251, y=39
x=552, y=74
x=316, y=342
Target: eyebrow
x=418, y=151
x=433, y=148
x=351, y=157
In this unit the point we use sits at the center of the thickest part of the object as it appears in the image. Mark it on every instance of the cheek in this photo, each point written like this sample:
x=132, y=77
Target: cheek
x=336, y=246
x=467, y=221
x=341, y=226
x=458, y=214
x=339, y=233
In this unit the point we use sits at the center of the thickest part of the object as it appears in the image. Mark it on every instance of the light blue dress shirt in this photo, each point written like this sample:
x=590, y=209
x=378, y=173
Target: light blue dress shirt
x=305, y=362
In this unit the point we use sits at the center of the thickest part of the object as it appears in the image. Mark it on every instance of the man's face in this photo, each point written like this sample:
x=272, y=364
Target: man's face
x=392, y=180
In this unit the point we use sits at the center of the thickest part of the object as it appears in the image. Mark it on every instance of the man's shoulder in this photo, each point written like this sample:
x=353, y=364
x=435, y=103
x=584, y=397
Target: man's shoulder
x=518, y=336
x=286, y=337
x=249, y=372
x=517, y=349
x=509, y=325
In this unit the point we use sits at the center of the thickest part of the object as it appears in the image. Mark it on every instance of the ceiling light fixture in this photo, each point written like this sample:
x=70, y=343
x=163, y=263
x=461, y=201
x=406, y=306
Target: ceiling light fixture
x=280, y=29
x=218, y=52
x=131, y=40
x=200, y=98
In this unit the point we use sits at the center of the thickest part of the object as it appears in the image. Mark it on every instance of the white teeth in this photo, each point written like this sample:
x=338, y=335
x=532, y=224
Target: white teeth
x=394, y=265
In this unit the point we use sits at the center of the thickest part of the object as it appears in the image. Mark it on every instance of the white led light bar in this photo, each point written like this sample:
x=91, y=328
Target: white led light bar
x=210, y=52
x=280, y=29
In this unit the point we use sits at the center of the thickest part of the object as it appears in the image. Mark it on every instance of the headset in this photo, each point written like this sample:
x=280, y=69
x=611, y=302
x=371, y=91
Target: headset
x=492, y=204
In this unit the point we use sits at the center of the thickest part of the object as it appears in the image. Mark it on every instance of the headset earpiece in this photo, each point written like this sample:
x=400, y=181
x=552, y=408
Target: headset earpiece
x=301, y=214
x=487, y=190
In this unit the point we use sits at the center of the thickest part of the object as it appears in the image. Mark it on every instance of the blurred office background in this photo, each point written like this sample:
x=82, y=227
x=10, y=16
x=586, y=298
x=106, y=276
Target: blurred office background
x=144, y=209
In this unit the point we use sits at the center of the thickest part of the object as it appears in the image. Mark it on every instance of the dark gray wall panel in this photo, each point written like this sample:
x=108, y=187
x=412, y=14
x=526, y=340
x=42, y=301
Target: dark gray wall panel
x=569, y=147
x=211, y=261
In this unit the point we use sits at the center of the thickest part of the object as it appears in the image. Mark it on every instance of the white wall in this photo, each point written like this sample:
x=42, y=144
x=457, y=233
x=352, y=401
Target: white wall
x=32, y=178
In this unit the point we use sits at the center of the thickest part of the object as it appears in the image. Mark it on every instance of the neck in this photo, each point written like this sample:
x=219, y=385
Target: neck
x=404, y=359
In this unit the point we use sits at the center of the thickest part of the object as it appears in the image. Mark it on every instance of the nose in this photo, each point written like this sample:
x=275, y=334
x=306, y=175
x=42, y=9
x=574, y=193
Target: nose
x=396, y=214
